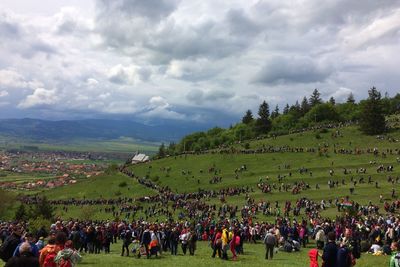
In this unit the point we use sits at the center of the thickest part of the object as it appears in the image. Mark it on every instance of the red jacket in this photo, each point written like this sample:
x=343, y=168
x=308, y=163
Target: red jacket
x=313, y=254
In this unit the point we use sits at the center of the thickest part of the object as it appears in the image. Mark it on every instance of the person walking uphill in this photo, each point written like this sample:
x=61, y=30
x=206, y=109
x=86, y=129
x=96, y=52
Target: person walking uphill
x=330, y=251
x=269, y=241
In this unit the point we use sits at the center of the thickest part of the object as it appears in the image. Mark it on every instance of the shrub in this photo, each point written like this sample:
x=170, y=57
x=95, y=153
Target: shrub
x=155, y=178
x=87, y=213
x=38, y=222
x=122, y=184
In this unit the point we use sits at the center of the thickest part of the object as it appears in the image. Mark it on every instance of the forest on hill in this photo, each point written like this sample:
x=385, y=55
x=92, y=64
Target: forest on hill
x=368, y=113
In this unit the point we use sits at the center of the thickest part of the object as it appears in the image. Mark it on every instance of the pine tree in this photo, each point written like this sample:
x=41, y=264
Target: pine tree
x=304, y=107
x=372, y=119
x=350, y=98
x=315, y=98
x=42, y=209
x=21, y=213
x=248, y=117
x=332, y=101
x=286, y=109
x=263, y=123
x=275, y=113
x=161, y=151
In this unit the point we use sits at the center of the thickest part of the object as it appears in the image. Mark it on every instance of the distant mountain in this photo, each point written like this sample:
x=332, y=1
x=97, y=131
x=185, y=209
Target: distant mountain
x=96, y=128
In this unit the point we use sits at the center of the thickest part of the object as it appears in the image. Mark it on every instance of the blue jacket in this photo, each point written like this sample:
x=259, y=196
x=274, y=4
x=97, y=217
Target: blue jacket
x=34, y=250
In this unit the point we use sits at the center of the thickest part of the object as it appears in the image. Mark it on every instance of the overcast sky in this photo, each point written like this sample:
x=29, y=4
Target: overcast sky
x=189, y=60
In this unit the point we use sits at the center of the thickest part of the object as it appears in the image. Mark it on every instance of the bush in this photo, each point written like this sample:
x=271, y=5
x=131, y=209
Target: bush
x=21, y=213
x=113, y=168
x=43, y=209
x=155, y=178
x=6, y=201
x=38, y=222
x=318, y=136
x=122, y=184
x=87, y=213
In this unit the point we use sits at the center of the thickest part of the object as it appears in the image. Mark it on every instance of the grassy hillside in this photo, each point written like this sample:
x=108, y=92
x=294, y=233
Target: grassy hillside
x=190, y=173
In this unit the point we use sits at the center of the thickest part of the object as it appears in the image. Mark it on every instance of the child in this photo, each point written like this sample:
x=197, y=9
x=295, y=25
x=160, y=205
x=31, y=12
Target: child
x=313, y=254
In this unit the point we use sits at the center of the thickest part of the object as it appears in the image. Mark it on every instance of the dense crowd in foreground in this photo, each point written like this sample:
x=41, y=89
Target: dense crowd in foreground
x=341, y=241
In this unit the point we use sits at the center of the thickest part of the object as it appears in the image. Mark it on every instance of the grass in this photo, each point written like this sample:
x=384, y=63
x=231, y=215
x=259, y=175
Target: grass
x=254, y=256
x=121, y=145
x=265, y=166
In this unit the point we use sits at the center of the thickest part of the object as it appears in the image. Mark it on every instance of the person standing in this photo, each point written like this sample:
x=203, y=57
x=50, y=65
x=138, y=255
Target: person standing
x=25, y=257
x=225, y=243
x=184, y=237
x=270, y=242
x=216, y=243
x=313, y=254
x=235, y=241
x=395, y=258
x=192, y=242
x=10, y=244
x=344, y=256
x=329, y=255
x=174, y=240
x=320, y=238
x=146, y=239
x=126, y=237
x=68, y=256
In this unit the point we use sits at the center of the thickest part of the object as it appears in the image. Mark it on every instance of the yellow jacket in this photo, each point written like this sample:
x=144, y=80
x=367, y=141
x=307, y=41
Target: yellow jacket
x=225, y=237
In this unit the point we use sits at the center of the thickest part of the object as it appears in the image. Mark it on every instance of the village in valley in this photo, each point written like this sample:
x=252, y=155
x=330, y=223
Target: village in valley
x=24, y=170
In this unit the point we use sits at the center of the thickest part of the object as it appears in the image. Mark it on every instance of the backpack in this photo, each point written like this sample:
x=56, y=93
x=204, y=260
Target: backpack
x=65, y=263
x=49, y=259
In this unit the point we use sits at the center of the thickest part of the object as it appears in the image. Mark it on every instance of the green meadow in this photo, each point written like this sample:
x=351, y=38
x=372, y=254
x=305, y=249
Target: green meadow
x=254, y=255
x=191, y=172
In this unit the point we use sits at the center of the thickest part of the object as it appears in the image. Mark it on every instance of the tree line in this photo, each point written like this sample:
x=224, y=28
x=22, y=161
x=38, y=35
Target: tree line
x=369, y=113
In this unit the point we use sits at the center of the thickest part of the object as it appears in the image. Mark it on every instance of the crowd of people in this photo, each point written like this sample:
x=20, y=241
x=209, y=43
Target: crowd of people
x=340, y=241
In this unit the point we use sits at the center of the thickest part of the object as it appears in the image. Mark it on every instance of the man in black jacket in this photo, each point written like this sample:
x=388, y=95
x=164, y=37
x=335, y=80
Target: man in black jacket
x=8, y=247
x=330, y=251
x=25, y=258
x=146, y=239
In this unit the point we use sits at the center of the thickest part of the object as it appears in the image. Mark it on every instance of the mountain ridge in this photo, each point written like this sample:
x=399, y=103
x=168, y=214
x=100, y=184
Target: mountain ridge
x=39, y=129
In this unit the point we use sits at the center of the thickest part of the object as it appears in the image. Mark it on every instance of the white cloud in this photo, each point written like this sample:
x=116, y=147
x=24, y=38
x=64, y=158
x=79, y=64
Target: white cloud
x=12, y=79
x=158, y=107
x=164, y=60
x=39, y=97
x=128, y=74
x=92, y=82
x=3, y=93
x=341, y=94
